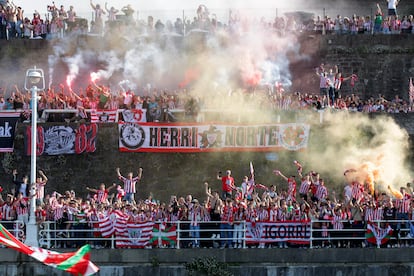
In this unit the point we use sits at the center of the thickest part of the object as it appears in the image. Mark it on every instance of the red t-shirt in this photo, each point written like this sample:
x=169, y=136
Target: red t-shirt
x=227, y=183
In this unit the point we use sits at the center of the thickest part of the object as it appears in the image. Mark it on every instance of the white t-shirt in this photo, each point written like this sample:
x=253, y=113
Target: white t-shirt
x=392, y=4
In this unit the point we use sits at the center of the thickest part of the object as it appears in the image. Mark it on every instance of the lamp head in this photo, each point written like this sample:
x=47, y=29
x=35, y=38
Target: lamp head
x=34, y=77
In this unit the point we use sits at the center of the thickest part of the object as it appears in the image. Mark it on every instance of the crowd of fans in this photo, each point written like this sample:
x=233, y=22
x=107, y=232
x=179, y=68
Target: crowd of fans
x=299, y=197
x=165, y=105
x=61, y=21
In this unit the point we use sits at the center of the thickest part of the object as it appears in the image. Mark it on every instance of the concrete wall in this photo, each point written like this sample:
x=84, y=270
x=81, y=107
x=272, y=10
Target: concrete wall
x=362, y=261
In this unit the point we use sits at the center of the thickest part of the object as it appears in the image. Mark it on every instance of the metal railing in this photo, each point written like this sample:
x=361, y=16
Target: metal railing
x=217, y=234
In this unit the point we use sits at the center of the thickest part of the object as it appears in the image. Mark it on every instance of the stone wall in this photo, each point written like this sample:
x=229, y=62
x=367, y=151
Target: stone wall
x=164, y=174
x=307, y=262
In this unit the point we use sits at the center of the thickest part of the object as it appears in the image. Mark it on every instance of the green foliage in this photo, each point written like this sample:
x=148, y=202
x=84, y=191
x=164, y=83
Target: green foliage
x=155, y=262
x=207, y=266
x=9, y=163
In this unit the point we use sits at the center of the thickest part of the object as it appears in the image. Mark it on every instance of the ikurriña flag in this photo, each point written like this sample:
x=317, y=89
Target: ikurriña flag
x=378, y=235
x=163, y=235
x=76, y=263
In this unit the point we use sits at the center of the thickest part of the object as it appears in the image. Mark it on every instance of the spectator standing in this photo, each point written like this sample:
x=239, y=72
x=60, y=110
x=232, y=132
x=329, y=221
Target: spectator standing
x=40, y=187
x=378, y=20
x=98, y=25
x=227, y=186
x=130, y=184
x=392, y=8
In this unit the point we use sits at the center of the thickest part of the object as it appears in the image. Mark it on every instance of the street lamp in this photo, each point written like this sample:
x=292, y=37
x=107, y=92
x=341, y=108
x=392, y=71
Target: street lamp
x=34, y=82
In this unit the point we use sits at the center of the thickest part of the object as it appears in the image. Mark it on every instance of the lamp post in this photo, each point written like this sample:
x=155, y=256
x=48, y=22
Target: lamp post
x=34, y=82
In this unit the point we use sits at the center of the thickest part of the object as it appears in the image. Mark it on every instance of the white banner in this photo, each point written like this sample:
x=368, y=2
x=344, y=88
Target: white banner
x=159, y=137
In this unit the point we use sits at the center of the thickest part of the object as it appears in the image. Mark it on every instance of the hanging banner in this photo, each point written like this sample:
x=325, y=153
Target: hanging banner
x=159, y=137
x=288, y=231
x=8, y=123
x=63, y=139
x=103, y=116
x=134, y=115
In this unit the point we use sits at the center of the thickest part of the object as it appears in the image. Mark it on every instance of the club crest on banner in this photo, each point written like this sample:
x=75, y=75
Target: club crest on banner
x=132, y=136
x=135, y=235
x=255, y=230
x=211, y=138
x=294, y=136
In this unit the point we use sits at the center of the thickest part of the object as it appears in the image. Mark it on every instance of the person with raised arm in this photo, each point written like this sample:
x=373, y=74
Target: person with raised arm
x=129, y=184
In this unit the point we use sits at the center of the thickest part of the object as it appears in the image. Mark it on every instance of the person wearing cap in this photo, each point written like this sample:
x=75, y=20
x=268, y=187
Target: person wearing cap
x=195, y=217
x=239, y=219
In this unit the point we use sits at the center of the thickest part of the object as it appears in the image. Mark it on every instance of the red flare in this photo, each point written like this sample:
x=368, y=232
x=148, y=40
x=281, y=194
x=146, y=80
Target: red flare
x=94, y=77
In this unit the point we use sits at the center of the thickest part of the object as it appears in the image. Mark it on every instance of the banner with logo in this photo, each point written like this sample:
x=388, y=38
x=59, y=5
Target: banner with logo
x=63, y=139
x=8, y=123
x=287, y=231
x=159, y=137
x=134, y=115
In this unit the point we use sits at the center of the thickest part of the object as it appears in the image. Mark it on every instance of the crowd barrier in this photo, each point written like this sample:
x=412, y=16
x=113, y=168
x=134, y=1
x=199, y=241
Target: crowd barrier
x=181, y=234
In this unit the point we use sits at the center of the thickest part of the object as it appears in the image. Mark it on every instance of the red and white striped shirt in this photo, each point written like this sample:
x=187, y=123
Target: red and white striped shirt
x=273, y=215
x=357, y=191
x=304, y=187
x=129, y=184
x=321, y=192
x=195, y=216
x=7, y=212
x=228, y=214
x=102, y=196
x=21, y=206
x=40, y=190
x=337, y=223
x=403, y=205
x=262, y=215
x=58, y=211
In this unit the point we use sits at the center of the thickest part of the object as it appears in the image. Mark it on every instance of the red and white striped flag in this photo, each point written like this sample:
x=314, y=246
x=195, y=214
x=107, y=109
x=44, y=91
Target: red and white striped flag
x=251, y=169
x=411, y=91
x=103, y=116
x=76, y=263
x=120, y=221
x=135, y=235
x=107, y=227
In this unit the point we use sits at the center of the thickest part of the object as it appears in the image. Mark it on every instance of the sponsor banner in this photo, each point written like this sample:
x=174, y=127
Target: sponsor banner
x=8, y=123
x=287, y=231
x=134, y=115
x=159, y=137
x=103, y=116
x=63, y=139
